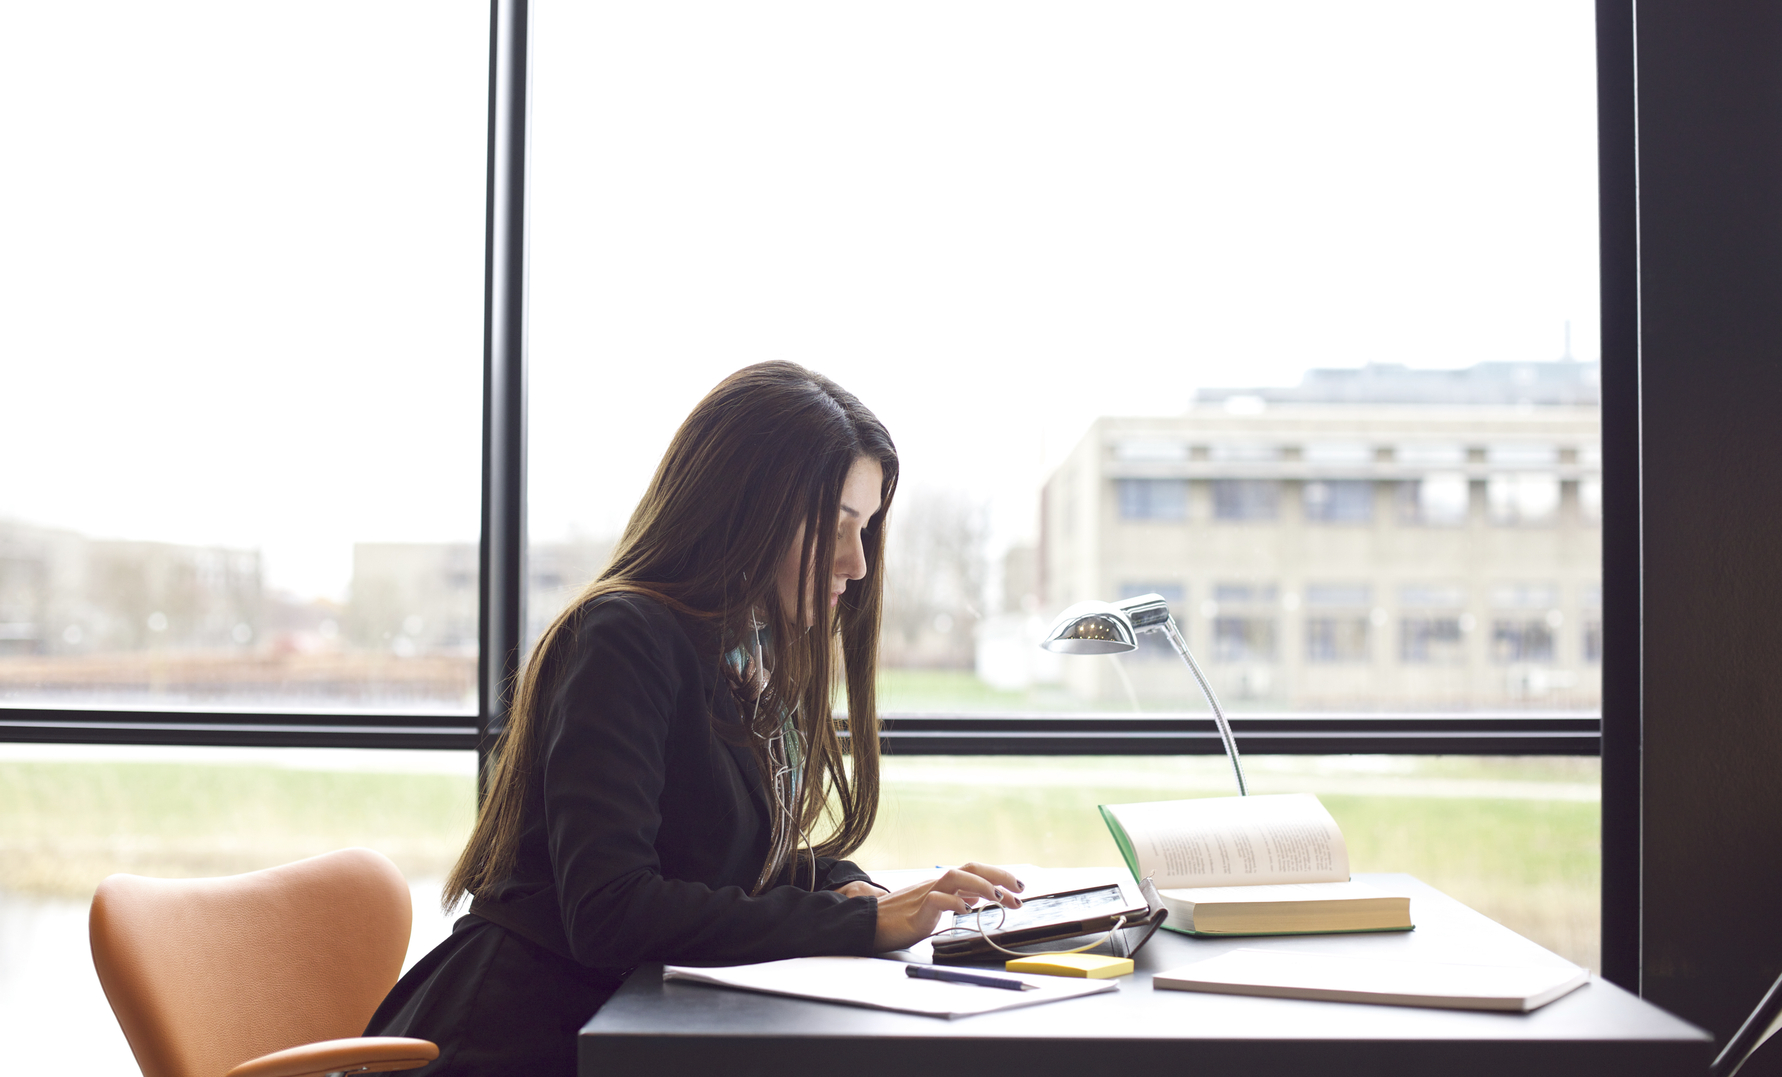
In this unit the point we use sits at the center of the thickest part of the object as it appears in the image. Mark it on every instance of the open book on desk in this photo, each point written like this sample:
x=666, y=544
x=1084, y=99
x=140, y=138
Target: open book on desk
x=1256, y=865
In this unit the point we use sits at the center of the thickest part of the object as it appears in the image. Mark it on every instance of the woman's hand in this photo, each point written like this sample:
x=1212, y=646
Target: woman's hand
x=908, y=916
x=861, y=888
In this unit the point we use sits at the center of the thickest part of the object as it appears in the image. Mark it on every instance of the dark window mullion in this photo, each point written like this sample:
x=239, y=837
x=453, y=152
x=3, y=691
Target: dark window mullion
x=504, y=370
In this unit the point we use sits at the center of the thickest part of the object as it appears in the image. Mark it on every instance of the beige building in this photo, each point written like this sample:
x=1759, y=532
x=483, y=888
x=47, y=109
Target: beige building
x=63, y=593
x=1376, y=539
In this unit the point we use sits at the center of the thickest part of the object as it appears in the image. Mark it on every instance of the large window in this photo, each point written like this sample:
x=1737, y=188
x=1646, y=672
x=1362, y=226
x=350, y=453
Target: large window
x=242, y=291
x=1144, y=292
x=1287, y=314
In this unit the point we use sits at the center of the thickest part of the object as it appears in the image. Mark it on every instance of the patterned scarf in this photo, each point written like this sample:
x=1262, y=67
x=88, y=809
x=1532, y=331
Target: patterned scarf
x=745, y=669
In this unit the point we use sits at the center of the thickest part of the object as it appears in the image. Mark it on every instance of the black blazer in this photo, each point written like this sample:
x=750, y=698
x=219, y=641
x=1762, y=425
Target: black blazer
x=643, y=832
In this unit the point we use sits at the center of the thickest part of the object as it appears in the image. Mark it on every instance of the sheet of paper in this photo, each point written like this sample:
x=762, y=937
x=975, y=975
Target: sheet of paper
x=1354, y=978
x=882, y=985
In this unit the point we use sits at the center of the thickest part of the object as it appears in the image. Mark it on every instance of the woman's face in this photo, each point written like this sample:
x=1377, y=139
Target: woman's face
x=859, y=504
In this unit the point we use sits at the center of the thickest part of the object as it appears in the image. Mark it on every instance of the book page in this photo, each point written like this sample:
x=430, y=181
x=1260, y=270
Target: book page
x=1234, y=841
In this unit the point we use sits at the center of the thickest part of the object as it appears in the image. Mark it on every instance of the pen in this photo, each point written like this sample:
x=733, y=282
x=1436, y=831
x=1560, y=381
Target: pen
x=932, y=972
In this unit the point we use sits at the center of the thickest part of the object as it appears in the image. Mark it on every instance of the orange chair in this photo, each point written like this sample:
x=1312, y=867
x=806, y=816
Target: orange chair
x=269, y=974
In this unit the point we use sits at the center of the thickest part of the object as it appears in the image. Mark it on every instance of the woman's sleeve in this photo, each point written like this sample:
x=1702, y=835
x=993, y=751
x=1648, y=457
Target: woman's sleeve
x=831, y=874
x=604, y=748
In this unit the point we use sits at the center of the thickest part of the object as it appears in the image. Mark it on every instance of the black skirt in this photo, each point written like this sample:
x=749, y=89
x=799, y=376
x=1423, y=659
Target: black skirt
x=496, y=1004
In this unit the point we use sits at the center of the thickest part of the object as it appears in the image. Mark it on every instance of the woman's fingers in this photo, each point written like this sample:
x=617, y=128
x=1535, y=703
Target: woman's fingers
x=1000, y=876
x=909, y=915
x=962, y=881
x=939, y=901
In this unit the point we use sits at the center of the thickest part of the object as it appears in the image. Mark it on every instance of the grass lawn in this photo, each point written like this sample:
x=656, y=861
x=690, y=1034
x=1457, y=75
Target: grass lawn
x=1515, y=838
x=65, y=826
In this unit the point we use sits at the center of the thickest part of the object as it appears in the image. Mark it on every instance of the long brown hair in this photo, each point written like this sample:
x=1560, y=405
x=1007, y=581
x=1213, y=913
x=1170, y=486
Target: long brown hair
x=763, y=455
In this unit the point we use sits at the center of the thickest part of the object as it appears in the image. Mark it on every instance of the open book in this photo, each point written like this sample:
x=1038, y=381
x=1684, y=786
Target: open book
x=1257, y=865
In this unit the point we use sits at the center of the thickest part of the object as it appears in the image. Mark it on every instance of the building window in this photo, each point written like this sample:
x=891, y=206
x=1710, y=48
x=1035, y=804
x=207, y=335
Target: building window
x=1593, y=641
x=1173, y=593
x=1244, y=594
x=1336, y=639
x=1346, y=596
x=1153, y=499
x=1439, y=500
x=1243, y=639
x=1524, y=596
x=1341, y=634
x=1515, y=640
x=1522, y=500
x=1339, y=501
x=1431, y=641
x=1246, y=499
x=1432, y=596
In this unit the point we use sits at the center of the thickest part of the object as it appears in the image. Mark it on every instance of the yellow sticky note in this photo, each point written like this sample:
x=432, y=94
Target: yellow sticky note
x=1085, y=965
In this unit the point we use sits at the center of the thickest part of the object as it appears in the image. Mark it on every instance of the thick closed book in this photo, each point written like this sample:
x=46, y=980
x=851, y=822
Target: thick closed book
x=1257, y=865
x=1346, y=978
x=1285, y=909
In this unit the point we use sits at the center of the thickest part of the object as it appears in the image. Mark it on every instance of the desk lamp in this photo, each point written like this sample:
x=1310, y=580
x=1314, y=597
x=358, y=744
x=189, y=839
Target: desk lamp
x=1095, y=627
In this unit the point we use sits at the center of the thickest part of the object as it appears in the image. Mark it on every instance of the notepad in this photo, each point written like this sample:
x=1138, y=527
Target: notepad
x=1354, y=978
x=881, y=985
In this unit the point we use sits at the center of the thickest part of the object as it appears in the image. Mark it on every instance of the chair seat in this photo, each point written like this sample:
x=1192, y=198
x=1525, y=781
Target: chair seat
x=361, y=1054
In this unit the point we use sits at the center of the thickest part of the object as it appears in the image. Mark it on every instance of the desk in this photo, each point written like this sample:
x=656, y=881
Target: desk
x=650, y=1027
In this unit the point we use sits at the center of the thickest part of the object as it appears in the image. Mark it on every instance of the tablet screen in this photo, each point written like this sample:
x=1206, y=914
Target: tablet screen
x=1043, y=911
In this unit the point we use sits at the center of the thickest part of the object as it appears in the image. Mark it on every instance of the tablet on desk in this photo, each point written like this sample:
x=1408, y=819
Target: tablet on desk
x=1073, y=916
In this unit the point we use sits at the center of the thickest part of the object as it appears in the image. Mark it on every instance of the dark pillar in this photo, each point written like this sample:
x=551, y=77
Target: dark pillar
x=1710, y=213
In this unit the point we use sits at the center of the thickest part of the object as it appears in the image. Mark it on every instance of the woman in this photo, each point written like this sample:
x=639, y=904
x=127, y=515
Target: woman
x=672, y=784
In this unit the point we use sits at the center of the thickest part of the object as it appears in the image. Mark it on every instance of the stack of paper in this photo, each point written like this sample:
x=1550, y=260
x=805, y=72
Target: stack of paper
x=882, y=985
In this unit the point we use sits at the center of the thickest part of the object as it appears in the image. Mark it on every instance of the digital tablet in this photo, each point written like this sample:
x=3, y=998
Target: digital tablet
x=1050, y=918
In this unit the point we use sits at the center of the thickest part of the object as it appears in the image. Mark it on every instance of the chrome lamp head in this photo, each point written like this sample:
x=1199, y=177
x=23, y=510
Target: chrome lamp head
x=1092, y=628
x=1096, y=627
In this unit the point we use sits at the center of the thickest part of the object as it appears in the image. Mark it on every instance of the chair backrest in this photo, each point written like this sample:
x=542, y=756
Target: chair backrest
x=204, y=974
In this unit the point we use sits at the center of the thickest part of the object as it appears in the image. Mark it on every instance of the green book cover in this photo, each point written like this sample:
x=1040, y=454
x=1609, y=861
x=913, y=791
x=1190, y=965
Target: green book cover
x=1120, y=839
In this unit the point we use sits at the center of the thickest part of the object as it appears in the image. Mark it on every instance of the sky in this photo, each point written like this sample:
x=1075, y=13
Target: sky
x=242, y=287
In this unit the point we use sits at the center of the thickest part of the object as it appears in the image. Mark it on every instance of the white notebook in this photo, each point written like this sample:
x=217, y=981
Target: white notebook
x=1345, y=978
x=883, y=985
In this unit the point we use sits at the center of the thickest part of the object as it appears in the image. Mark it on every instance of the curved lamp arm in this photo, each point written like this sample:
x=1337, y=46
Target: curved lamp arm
x=1174, y=635
x=1112, y=628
